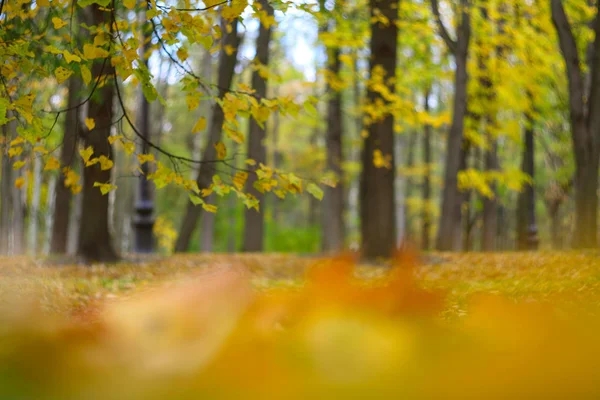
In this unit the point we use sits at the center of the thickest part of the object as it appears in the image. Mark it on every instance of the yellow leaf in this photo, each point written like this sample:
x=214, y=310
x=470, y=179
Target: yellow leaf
x=239, y=180
x=381, y=161
x=250, y=162
x=193, y=101
x=76, y=188
x=70, y=57
x=112, y=139
x=91, y=52
x=58, y=23
x=104, y=187
x=129, y=147
x=42, y=3
x=86, y=75
x=229, y=49
x=221, y=150
x=130, y=4
x=17, y=141
x=93, y=161
x=62, y=74
x=86, y=154
x=90, y=123
x=40, y=149
x=14, y=151
x=18, y=165
x=52, y=164
x=200, y=125
x=144, y=158
x=19, y=182
x=183, y=54
x=209, y=207
x=105, y=163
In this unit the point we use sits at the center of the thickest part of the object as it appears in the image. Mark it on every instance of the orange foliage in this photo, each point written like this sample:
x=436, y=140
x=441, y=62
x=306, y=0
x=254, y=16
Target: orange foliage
x=339, y=336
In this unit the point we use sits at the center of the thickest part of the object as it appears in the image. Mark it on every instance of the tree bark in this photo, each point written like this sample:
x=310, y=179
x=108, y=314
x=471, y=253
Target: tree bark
x=451, y=196
x=490, y=205
x=34, y=215
x=6, y=187
x=254, y=220
x=62, y=205
x=409, y=187
x=334, y=229
x=18, y=216
x=95, y=241
x=49, y=217
x=205, y=172
x=377, y=195
x=526, y=227
x=426, y=189
x=585, y=125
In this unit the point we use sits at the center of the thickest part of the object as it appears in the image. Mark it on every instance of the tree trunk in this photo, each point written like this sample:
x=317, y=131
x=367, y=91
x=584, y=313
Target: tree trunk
x=62, y=205
x=526, y=227
x=204, y=178
x=409, y=187
x=254, y=220
x=377, y=195
x=18, y=216
x=426, y=190
x=49, y=217
x=463, y=217
x=143, y=219
x=585, y=124
x=490, y=205
x=95, y=242
x=451, y=196
x=35, y=207
x=334, y=230
x=207, y=229
x=6, y=188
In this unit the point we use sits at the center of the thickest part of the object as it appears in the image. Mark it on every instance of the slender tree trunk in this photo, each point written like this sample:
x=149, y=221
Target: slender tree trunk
x=6, y=188
x=95, y=242
x=35, y=207
x=463, y=210
x=426, y=213
x=490, y=205
x=62, y=205
x=451, y=196
x=18, y=217
x=254, y=220
x=143, y=219
x=334, y=229
x=585, y=124
x=556, y=228
x=526, y=227
x=409, y=187
x=49, y=217
x=226, y=67
x=377, y=194
x=276, y=161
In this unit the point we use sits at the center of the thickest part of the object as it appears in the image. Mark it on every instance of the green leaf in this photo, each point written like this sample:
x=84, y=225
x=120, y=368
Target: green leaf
x=85, y=3
x=195, y=199
x=315, y=190
x=3, y=109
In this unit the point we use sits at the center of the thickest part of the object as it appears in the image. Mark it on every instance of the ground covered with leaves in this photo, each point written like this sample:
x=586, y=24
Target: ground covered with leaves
x=511, y=325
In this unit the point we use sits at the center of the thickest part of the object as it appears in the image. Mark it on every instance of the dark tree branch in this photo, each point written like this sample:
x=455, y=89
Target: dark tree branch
x=593, y=122
x=451, y=43
x=568, y=47
x=165, y=8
